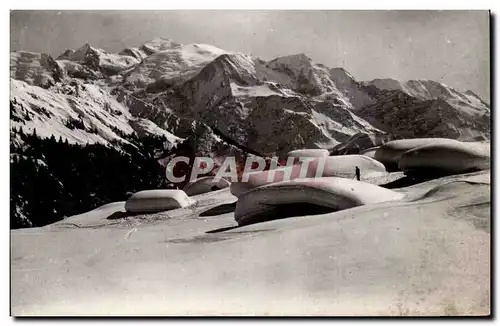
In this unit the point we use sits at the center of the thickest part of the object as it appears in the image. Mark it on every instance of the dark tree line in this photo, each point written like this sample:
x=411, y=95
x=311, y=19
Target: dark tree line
x=51, y=178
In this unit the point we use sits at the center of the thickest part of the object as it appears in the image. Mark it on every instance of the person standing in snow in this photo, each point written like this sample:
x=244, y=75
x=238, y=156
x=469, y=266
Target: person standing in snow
x=357, y=173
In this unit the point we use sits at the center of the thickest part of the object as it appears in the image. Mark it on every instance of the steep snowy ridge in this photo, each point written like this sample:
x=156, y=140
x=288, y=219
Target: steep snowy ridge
x=386, y=84
x=233, y=94
x=348, y=86
x=177, y=62
x=405, y=116
x=81, y=113
x=38, y=69
x=424, y=108
x=213, y=83
x=78, y=102
x=428, y=89
x=100, y=60
x=307, y=77
x=431, y=90
x=157, y=45
x=475, y=96
x=146, y=127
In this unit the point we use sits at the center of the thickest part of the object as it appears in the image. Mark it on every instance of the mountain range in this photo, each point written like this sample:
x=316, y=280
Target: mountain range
x=166, y=89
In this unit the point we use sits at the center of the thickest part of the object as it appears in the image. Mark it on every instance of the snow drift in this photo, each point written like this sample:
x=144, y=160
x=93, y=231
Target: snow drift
x=450, y=158
x=390, y=152
x=338, y=166
x=359, y=142
x=370, y=152
x=259, y=204
x=308, y=153
x=205, y=184
x=427, y=257
x=157, y=201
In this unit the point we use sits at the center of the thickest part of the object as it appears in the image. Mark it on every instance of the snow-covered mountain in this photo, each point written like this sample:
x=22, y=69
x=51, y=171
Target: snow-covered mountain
x=425, y=108
x=291, y=102
x=99, y=60
x=430, y=90
x=80, y=112
x=271, y=107
x=38, y=69
x=169, y=65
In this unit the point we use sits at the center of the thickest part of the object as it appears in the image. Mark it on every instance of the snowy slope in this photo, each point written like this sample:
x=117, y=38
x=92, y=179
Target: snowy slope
x=428, y=255
x=77, y=101
x=51, y=111
x=147, y=127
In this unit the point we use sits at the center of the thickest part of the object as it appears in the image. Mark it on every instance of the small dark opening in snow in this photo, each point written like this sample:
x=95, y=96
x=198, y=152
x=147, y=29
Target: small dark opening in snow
x=289, y=210
x=219, y=210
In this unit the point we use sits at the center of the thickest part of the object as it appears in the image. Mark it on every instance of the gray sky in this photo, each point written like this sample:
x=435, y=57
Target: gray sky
x=447, y=46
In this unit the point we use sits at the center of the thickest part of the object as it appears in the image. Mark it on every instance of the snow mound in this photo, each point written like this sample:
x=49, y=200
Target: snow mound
x=95, y=216
x=370, y=152
x=359, y=142
x=259, y=204
x=308, y=153
x=149, y=201
x=454, y=158
x=204, y=185
x=331, y=166
x=389, y=259
x=390, y=152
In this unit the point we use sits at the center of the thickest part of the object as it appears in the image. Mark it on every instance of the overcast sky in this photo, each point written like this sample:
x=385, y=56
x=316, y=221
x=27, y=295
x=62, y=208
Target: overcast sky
x=447, y=46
